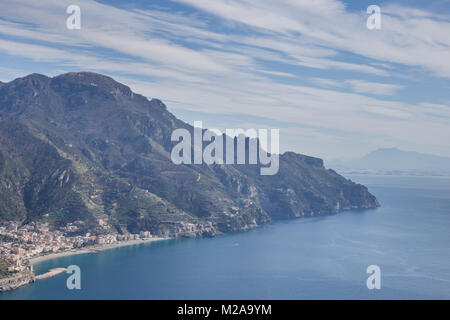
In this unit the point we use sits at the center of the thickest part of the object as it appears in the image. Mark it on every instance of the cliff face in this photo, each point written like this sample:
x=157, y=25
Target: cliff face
x=86, y=146
x=16, y=281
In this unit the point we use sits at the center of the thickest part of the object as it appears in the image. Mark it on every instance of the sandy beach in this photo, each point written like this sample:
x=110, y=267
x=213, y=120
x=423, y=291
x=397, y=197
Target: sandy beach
x=91, y=249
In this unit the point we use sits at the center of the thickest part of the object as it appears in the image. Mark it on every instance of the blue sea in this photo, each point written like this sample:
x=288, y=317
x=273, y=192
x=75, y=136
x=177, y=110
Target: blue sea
x=311, y=258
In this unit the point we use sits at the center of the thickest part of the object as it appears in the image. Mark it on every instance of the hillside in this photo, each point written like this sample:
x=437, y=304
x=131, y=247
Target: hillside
x=81, y=146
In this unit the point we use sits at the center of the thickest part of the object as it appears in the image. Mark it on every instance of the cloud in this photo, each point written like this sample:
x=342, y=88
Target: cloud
x=325, y=82
x=375, y=88
x=408, y=36
x=301, y=64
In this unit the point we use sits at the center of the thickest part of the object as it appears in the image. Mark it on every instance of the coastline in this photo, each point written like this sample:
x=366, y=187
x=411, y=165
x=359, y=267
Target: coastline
x=16, y=281
x=50, y=273
x=91, y=249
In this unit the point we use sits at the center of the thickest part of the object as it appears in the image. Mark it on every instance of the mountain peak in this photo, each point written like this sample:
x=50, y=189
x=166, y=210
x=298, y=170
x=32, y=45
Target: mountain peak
x=84, y=75
x=312, y=161
x=401, y=161
x=30, y=84
x=388, y=149
x=392, y=150
x=91, y=79
x=37, y=76
x=32, y=78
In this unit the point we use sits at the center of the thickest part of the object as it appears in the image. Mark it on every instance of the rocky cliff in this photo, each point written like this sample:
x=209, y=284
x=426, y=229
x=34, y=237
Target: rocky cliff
x=15, y=281
x=81, y=146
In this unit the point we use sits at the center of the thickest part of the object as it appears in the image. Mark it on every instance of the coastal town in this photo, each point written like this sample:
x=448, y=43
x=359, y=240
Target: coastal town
x=20, y=244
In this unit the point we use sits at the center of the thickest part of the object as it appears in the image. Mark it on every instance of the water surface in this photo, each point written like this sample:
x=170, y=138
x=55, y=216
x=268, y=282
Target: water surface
x=313, y=258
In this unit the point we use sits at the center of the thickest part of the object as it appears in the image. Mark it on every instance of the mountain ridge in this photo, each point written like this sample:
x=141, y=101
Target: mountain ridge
x=87, y=145
x=394, y=160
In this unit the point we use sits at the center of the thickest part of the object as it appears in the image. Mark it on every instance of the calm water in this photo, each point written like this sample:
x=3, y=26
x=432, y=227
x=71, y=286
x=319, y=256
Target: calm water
x=315, y=258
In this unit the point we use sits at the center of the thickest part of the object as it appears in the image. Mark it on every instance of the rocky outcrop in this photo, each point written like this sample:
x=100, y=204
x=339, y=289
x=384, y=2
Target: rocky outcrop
x=185, y=230
x=17, y=280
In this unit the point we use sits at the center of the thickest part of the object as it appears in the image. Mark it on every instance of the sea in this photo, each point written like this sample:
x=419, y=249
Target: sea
x=324, y=257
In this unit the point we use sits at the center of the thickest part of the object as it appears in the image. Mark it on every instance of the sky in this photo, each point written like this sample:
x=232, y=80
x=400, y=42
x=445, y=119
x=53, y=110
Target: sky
x=312, y=68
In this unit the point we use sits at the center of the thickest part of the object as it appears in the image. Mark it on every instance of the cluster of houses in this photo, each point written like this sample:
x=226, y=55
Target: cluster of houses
x=28, y=241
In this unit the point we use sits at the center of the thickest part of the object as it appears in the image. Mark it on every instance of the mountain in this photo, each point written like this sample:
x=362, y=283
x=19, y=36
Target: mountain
x=393, y=160
x=82, y=147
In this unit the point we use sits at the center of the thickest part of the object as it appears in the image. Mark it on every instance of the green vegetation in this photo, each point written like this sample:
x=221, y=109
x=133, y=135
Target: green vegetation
x=70, y=151
x=4, y=265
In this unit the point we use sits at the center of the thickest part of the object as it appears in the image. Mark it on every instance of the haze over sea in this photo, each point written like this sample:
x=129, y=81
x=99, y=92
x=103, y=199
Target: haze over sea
x=313, y=258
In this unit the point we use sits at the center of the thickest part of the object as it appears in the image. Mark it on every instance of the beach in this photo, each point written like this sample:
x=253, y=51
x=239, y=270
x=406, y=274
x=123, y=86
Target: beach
x=92, y=249
x=11, y=283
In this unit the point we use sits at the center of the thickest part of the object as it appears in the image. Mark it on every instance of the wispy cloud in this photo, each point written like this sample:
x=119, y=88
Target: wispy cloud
x=375, y=88
x=326, y=82
x=409, y=36
x=304, y=64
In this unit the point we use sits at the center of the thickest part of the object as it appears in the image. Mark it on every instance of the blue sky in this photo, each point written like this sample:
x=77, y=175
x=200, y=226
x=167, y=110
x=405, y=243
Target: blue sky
x=309, y=67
